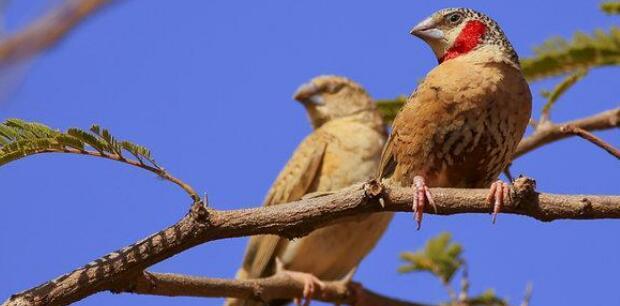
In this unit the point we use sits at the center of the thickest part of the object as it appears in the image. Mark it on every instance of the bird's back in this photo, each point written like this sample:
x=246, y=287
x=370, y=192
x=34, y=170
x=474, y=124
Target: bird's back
x=338, y=154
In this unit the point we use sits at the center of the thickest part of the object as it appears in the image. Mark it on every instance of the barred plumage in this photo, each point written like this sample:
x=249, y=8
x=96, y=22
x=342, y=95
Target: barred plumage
x=464, y=121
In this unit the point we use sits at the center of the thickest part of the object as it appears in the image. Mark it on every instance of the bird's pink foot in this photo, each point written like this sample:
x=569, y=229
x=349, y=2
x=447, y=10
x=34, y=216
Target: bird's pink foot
x=421, y=196
x=312, y=285
x=499, y=194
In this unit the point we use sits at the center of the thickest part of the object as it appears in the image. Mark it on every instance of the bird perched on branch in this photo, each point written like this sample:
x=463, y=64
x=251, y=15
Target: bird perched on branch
x=464, y=121
x=344, y=148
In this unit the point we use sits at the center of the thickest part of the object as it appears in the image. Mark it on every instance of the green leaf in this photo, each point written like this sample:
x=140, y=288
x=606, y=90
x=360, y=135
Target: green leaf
x=611, y=7
x=390, y=107
x=487, y=298
x=138, y=151
x=440, y=256
x=19, y=138
x=558, y=56
x=88, y=139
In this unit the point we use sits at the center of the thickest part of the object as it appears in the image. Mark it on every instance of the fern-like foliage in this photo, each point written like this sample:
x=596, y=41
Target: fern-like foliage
x=611, y=7
x=390, y=107
x=558, y=56
x=20, y=138
x=440, y=256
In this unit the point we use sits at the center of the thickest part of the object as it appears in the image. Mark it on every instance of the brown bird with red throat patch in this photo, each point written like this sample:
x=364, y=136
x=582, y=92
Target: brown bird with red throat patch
x=461, y=126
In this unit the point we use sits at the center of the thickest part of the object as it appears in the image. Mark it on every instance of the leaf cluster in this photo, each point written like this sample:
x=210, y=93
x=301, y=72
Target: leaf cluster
x=443, y=258
x=611, y=7
x=440, y=256
x=19, y=138
x=558, y=56
x=487, y=298
x=390, y=107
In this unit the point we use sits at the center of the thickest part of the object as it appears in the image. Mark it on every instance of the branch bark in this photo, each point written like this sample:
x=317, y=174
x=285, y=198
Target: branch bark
x=295, y=219
x=278, y=286
x=591, y=138
x=547, y=132
x=48, y=30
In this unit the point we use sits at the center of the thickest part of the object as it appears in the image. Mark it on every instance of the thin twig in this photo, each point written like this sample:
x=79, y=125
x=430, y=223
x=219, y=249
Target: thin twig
x=48, y=30
x=451, y=293
x=157, y=170
x=528, y=294
x=464, y=292
x=571, y=129
x=553, y=95
x=549, y=132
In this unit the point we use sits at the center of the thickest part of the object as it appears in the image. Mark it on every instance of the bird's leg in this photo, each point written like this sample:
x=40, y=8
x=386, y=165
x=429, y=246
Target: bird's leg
x=311, y=282
x=500, y=193
x=421, y=195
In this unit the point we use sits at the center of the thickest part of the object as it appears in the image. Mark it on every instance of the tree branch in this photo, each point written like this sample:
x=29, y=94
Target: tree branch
x=569, y=129
x=48, y=30
x=547, y=132
x=161, y=172
x=295, y=219
x=278, y=286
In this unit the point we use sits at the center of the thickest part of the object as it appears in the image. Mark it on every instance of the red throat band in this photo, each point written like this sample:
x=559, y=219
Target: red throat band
x=467, y=40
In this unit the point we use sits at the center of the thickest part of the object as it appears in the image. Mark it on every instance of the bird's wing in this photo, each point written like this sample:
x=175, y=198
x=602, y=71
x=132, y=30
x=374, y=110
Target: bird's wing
x=388, y=163
x=295, y=180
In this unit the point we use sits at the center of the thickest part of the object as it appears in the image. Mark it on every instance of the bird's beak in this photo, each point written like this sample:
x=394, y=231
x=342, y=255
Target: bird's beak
x=308, y=94
x=427, y=30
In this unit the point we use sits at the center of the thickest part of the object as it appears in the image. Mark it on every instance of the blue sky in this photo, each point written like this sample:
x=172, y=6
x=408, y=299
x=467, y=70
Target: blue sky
x=207, y=86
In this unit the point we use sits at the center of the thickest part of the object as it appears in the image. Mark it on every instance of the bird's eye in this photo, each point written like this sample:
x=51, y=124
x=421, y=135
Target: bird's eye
x=454, y=18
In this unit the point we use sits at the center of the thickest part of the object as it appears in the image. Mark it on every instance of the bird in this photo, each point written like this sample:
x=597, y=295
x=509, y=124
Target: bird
x=461, y=126
x=344, y=148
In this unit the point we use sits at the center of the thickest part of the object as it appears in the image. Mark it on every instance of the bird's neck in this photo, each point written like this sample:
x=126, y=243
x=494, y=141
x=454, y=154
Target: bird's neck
x=468, y=39
x=491, y=54
x=479, y=41
x=369, y=117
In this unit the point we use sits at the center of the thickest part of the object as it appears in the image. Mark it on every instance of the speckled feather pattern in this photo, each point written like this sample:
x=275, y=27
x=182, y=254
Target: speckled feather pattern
x=462, y=124
x=494, y=33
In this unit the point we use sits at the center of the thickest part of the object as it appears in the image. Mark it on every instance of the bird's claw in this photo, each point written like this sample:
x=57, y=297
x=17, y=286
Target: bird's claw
x=312, y=285
x=421, y=195
x=500, y=193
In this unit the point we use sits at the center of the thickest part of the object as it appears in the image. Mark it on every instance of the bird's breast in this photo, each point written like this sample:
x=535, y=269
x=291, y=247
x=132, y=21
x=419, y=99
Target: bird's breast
x=462, y=125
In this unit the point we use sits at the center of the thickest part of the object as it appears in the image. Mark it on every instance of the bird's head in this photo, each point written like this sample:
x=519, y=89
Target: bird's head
x=453, y=32
x=331, y=97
